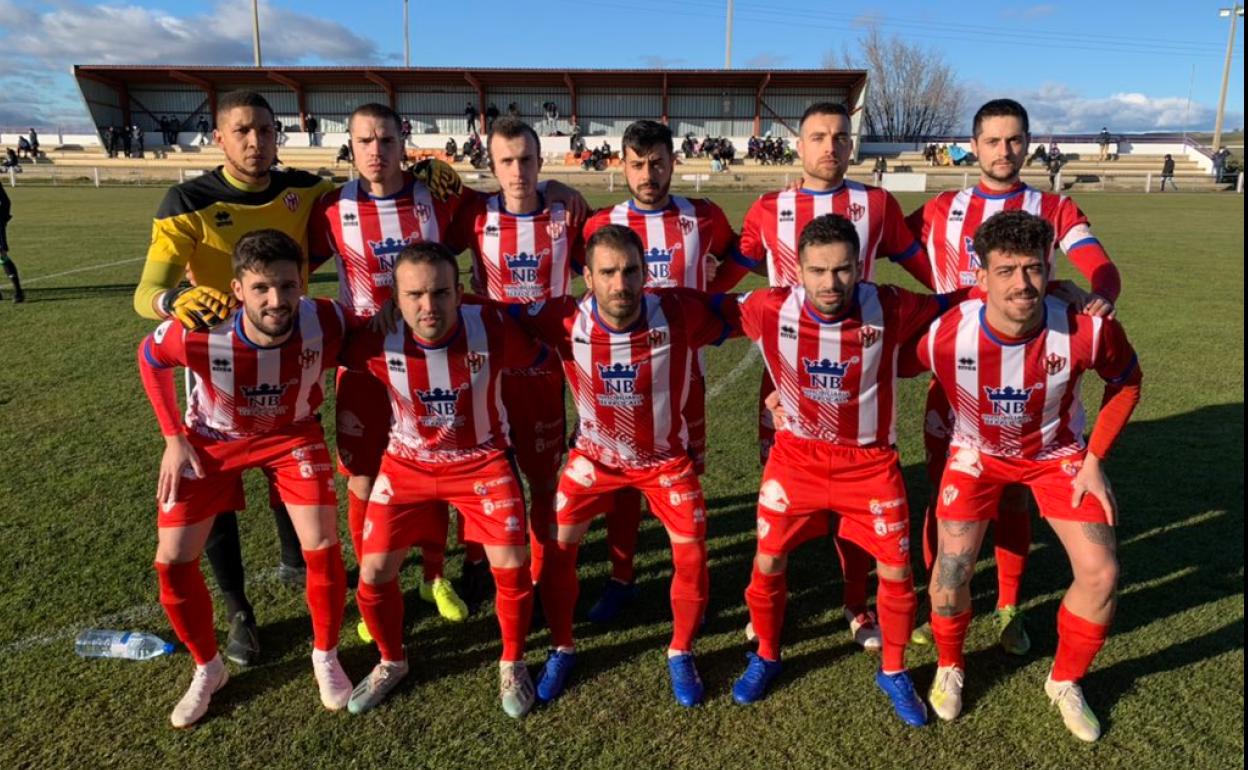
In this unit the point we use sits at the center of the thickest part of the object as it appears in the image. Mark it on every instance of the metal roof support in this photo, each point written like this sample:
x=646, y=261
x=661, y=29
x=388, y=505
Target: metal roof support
x=664, y=118
x=386, y=85
x=472, y=81
x=209, y=90
x=758, y=104
x=297, y=87
x=571, y=84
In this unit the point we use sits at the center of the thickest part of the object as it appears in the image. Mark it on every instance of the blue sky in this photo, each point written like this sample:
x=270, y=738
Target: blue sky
x=1078, y=65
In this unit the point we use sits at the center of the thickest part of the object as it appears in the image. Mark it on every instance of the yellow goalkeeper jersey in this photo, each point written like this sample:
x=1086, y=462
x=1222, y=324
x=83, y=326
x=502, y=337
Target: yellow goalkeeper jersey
x=199, y=222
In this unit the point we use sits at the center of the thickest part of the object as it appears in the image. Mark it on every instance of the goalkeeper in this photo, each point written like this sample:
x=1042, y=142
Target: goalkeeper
x=193, y=236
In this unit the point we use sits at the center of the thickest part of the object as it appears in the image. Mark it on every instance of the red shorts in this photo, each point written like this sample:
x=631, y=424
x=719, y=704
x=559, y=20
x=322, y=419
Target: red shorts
x=695, y=420
x=587, y=488
x=407, y=506
x=806, y=483
x=363, y=422
x=971, y=486
x=295, y=459
x=534, y=402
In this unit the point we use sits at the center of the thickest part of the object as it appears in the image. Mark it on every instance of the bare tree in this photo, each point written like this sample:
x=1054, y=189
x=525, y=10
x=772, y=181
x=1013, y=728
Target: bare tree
x=911, y=92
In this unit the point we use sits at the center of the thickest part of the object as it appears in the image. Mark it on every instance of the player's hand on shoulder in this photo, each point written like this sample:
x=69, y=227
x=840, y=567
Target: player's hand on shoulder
x=387, y=319
x=1086, y=302
x=198, y=308
x=179, y=455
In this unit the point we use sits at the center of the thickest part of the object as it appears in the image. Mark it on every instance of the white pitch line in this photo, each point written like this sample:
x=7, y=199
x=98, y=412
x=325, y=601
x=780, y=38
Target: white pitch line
x=37, y=278
x=733, y=374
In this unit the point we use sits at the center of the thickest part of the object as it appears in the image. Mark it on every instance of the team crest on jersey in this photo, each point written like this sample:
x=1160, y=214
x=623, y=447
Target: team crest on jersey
x=1009, y=405
x=659, y=263
x=657, y=337
x=556, y=230
x=826, y=378
x=618, y=385
x=387, y=250
x=1071, y=467
x=423, y=211
x=855, y=211
x=291, y=200
x=1053, y=363
x=441, y=405
x=474, y=361
x=686, y=225
x=309, y=357
x=869, y=335
x=264, y=400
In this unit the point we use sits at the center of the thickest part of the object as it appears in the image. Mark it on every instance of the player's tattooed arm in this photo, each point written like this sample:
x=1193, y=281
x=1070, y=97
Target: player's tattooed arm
x=1101, y=534
x=954, y=570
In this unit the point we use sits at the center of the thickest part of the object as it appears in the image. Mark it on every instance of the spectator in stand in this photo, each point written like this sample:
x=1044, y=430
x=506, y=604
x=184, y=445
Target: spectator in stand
x=10, y=160
x=1039, y=155
x=1102, y=141
x=606, y=150
x=127, y=140
x=344, y=155
x=1055, y=168
x=452, y=149
x=1054, y=152
x=577, y=144
x=164, y=128
x=106, y=137
x=1167, y=172
x=470, y=115
x=513, y=110
x=929, y=153
x=942, y=156
x=137, y=136
x=879, y=170
x=310, y=125
x=204, y=130
x=23, y=147
x=279, y=132
x=491, y=115
x=1219, y=164
x=405, y=130
x=34, y=144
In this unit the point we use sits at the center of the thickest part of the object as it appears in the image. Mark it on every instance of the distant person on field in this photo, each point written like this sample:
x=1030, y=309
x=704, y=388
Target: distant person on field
x=1167, y=172
x=10, y=269
x=1219, y=163
x=879, y=169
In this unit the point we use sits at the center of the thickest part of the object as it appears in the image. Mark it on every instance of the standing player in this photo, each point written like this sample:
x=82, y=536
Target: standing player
x=770, y=234
x=258, y=385
x=442, y=367
x=1012, y=364
x=946, y=225
x=10, y=269
x=524, y=251
x=685, y=241
x=628, y=357
x=194, y=232
x=363, y=226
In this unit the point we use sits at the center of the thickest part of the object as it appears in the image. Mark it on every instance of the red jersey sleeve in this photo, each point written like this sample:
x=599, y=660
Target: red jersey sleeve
x=1114, y=360
x=359, y=347
x=576, y=251
x=461, y=233
x=546, y=321
x=916, y=223
x=1074, y=234
x=710, y=318
x=752, y=308
x=752, y=247
x=725, y=244
x=159, y=353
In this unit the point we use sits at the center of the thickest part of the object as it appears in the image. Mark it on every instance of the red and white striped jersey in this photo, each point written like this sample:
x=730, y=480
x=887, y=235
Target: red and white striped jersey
x=364, y=235
x=837, y=377
x=630, y=385
x=773, y=226
x=518, y=257
x=946, y=226
x=446, y=399
x=240, y=389
x=1020, y=397
x=677, y=240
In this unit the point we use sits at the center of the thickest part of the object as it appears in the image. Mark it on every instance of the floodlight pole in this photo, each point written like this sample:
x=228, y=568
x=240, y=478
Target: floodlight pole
x=407, y=42
x=255, y=29
x=1234, y=13
x=728, y=40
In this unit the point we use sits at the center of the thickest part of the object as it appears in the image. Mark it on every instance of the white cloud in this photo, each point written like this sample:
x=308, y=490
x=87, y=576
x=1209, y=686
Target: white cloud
x=1058, y=108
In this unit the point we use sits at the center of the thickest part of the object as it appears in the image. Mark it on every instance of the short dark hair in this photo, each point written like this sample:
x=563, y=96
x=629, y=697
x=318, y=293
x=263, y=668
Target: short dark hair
x=259, y=249
x=234, y=99
x=511, y=128
x=823, y=108
x=1013, y=232
x=427, y=253
x=826, y=230
x=617, y=237
x=644, y=135
x=1000, y=108
x=375, y=110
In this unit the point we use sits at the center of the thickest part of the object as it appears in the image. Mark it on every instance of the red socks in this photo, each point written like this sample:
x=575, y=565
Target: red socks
x=949, y=633
x=356, y=508
x=855, y=564
x=559, y=589
x=622, y=525
x=188, y=606
x=1012, y=541
x=897, y=604
x=766, y=596
x=1078, y=642
x=326, y=593
x=513, y=603
x=690, y=594
x=381, y=606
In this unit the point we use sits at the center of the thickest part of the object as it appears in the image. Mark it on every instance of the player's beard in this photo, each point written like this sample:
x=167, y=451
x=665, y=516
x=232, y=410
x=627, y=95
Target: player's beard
x=620, y=308
x=273, y=327
x=652, y=195
x=996, y=176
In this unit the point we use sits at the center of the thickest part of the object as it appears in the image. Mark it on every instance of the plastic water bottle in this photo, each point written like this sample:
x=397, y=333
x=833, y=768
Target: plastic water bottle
x=130, y=645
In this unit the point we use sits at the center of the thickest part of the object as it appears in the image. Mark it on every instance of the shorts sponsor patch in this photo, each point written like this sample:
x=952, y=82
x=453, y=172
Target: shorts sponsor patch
x=880, y=507
x=966, y=460
x=772, y=495
x=382, y=491
x=581, y=471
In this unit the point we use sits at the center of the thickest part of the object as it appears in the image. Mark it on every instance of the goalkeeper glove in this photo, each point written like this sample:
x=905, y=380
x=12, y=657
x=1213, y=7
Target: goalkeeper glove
x=197, y=307
x=439, y=177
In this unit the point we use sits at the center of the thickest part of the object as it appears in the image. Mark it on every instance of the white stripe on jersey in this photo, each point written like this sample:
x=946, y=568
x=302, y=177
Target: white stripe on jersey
x=693, y=242
x=951, y=247
x=491, y=246
x=1013, y=360
x=477, y=339
x=221, y=396
x=312, y=338
x=858, y=197
x=625, y=425
x=788, y=381
x=422, y=200
x=353, y=241
x=560, y=270
x=872, y=314
x=401, y=425
x=786, y=230
x=967, y=345
x=1056, y=344
x=661, y=378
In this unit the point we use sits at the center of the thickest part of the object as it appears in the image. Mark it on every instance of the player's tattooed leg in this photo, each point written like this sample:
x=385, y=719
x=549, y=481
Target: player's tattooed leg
x=954, y=570
x=1100, y=533
x=958, y=528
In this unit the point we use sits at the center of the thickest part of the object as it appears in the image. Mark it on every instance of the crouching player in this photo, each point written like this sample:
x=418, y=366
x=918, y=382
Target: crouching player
x=442, y=368
x=258, y=384
x=1011, y=365
x=831, y=345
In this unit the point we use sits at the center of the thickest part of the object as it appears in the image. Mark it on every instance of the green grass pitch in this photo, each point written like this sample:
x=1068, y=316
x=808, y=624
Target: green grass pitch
x=79, y=450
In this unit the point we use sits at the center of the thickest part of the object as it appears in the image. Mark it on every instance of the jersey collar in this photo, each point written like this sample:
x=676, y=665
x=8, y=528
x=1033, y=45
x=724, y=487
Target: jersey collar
x=980, y=191
x=830, y=320
x=818, y=193
x=671, y=203
x=608, y=328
